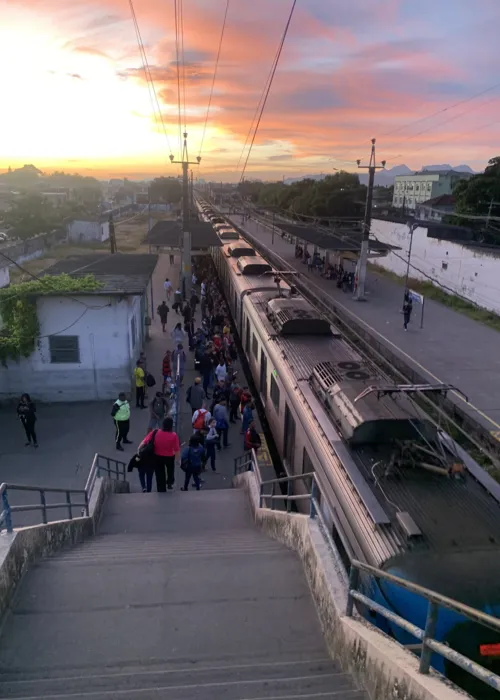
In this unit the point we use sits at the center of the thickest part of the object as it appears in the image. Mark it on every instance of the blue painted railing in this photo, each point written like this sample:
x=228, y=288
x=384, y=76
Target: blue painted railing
x=272, y=492
x=73, y=498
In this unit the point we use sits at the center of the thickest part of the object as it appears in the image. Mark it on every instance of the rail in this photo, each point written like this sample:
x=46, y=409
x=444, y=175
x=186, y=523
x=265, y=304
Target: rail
x=112, y=467
x=426, y=636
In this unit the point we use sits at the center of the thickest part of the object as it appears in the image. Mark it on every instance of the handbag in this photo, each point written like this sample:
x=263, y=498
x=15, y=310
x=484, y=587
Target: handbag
x=147, y=449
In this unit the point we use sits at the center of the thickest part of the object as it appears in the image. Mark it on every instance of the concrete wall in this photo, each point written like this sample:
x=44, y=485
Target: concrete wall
x=25, y=546
x=4, y=277
x=470, y=272
x=102, y=324
x=379, y=664
x=22, y=251
x=84, y=231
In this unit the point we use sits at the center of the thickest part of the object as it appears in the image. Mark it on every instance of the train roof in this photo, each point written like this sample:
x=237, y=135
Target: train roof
x=227, y=234
x=238, y=250
x=448, y=515
x=250, y=284
x=254, y=265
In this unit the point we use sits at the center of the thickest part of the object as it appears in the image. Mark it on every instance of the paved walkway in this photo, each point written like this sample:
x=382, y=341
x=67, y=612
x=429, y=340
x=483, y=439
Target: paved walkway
x=451, y=347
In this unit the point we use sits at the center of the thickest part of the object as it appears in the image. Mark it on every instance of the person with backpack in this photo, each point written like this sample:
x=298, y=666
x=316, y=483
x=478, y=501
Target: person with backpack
x=222, y=421
x=146, y=470
x=195, y=395
x=252, y=439
x=177, y=305
x=212, y=441
x=200, y=418
x=158, y=411
x=234, y=400
x=191, y=463
x=163, y=310
x=140, y=385
x=121, y=416
x=247, y=417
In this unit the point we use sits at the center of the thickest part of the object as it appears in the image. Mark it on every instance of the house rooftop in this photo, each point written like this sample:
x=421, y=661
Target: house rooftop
x=169, y=233
x=443, y=200
x=119, y=273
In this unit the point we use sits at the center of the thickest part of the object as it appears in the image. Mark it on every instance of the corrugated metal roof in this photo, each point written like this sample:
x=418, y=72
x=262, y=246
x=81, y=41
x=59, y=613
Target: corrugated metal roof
x=169, y=233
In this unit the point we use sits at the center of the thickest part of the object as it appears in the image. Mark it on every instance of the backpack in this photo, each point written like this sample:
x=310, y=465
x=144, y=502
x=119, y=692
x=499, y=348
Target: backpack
x=199, y=423
x=148, y=448
x=159, y=407
x=195, y=458
x=150, y=380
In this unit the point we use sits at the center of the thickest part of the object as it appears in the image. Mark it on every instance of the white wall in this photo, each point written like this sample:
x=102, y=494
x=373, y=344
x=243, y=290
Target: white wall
x=106, y=357
x=88, y=231
x=470, y=272
x=4, y=277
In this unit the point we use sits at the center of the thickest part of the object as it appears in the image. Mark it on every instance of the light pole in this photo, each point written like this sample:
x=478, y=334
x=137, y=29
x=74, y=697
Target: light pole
x=363, y=255
x=412, y=228
x=186, y=228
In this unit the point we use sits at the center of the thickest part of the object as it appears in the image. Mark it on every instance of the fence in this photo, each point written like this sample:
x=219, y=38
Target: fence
x=112, y=467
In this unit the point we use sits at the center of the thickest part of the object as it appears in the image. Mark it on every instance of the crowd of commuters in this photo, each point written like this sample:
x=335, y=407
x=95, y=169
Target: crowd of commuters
x=216, y=397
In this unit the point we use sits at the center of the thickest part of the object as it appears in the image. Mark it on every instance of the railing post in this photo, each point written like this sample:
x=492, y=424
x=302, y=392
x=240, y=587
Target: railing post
x=289, y=490
x=312, y=507
x=273, y=493
x=70, y=509
x=353, y=586
x=6, y=508
x=43, y=503
x=87, y=508
x=108, y=467
x=429, y=633
x=261, y=496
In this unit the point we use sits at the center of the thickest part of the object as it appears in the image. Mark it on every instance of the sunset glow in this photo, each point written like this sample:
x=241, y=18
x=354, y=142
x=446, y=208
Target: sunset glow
x=75, y=97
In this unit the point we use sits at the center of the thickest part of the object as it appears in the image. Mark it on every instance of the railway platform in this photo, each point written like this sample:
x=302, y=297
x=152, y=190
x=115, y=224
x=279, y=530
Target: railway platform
x=450, y=348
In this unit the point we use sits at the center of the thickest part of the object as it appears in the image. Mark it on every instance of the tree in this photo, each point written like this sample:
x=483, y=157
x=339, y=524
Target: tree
x=165, y=189
x=475, y=195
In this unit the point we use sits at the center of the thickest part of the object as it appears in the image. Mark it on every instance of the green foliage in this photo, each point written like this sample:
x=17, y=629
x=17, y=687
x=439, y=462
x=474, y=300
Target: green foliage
x=165, y=189
x=19, y=322
x=335, y=195
x=475, y=195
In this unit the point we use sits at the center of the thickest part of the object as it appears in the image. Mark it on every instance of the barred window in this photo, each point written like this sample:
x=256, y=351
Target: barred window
x=64, y=348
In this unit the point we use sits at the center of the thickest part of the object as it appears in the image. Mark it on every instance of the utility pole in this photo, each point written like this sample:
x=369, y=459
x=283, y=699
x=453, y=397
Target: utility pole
x=363, y=256
x=150, y=221
x=186, y=224
x=192, y=191
x=112, y=236
x=412, y=228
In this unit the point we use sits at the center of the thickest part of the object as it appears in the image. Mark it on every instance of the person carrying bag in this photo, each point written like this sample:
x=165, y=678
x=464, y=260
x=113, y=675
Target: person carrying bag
x=192, y=459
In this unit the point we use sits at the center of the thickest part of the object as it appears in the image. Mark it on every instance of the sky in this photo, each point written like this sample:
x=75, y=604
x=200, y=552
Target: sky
x=75, y=97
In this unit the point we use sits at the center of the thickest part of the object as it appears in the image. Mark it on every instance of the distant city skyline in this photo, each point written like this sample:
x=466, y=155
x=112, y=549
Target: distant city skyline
x=415, y=76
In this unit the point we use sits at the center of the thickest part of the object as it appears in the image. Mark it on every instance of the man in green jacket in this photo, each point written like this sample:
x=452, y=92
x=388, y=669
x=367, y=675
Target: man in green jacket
x=121, y=415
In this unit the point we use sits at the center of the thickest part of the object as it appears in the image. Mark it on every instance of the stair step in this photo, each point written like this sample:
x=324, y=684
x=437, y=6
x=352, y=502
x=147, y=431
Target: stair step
x=300, y=679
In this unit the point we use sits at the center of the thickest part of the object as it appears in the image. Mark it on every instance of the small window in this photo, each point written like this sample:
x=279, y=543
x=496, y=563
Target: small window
x=444, y=266
x=64, y=348
x=247, y=338
x=274, y=393
x=263, y=374
x=255, y=347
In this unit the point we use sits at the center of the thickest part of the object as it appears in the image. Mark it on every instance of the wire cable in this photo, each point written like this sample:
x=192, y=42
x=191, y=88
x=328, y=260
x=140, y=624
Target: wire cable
x=214, y=77
x=149, y=78
x=177, y=55
x=181, y=18
x=270, y=82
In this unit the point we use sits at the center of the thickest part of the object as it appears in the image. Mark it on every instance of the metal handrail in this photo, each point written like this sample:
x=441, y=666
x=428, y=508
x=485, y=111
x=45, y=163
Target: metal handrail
x=111, y=467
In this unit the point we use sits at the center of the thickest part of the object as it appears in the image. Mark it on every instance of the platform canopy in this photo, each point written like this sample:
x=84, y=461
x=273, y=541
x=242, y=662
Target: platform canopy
x=168, y=234
x=340, y=241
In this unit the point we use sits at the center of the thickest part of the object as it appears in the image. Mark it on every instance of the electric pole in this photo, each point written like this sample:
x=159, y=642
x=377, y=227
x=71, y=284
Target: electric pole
x=186, y=224
x=363, y=256
x=192, y=191
x=112, y=237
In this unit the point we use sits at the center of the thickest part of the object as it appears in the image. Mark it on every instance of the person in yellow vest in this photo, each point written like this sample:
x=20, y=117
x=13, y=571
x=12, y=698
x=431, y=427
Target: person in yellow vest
x=140, y=385
x=121, y=416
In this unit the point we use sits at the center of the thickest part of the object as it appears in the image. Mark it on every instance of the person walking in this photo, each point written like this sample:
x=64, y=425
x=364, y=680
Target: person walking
x=211, y=442
x=167, y=286
x=163, y=310
x=252, y=439
x=140, y=385
x=158, y=411
x=166, y=369
x=177, y=305
x=26, y=410
x=221, y=370
x=191, y=462
x=222, y=421
x=234, y=400
x=145, y=467
x=165, y=447
x=172, y=259
x=247, y=417
x=195, y=395
x=121, y=415
x=179, y=353
x=206, y=368
x=178, y=334
x=200, y=418
x=407, y=309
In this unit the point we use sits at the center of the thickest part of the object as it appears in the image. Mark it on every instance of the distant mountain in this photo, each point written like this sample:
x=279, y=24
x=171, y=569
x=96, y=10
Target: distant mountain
x=446, y=166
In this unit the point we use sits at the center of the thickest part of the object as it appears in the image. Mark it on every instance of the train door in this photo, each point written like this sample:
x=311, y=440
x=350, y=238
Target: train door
x=247, y=338
x=263, y=375
x=289, y=439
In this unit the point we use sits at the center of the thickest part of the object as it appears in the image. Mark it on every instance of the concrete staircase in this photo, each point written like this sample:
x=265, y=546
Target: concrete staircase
x=179, y=597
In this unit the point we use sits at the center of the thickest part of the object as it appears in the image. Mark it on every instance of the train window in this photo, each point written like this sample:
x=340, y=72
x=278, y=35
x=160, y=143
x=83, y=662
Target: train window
x=247, y=338
x=255, y=347
x=289, y=441
x=263, y=374
x=274, y=393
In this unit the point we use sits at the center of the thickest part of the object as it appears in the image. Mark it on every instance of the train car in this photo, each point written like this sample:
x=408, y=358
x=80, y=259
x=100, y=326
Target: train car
x=239, y=249
x=398, y=492
x=228, y=234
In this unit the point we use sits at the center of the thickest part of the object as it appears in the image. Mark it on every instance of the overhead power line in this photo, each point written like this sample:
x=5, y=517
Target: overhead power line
x=149, y=78
x=215, y=76
x=183, y=60
x=269, y=84
x=178, y=64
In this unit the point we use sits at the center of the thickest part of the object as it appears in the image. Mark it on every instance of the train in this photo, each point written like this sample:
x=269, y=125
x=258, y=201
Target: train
x=397, y=491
